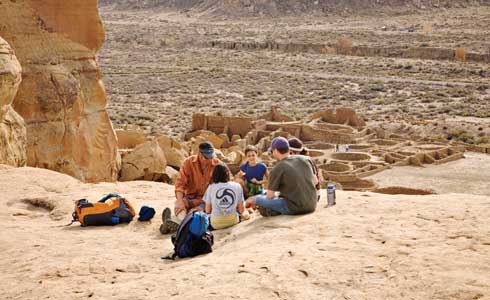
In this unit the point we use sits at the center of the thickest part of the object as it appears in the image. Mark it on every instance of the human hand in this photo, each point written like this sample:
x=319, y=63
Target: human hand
x=178, y=208
x=254, y=181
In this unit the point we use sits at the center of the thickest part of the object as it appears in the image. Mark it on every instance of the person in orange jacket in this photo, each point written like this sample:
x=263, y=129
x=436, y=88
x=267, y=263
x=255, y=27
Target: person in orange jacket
x=191, y=184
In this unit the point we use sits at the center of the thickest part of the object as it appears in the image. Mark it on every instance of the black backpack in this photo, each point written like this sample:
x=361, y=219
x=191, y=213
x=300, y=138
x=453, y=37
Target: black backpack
x=186, y=244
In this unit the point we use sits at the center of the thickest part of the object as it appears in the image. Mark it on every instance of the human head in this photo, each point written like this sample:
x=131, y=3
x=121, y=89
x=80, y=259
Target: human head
x=296, y=146
x=279, y=148
x=207, y=150
x=251, y=153
x=221, y=173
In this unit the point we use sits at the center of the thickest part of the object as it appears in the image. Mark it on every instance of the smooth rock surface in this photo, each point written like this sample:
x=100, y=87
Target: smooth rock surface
x=61, y=97
x=12, y=128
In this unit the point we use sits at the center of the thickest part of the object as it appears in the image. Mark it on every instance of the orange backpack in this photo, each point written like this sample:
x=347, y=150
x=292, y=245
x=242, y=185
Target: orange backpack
x=112, y=209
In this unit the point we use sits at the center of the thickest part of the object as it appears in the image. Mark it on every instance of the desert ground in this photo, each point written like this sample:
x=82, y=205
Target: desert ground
x=160, y=67
x=368, y=246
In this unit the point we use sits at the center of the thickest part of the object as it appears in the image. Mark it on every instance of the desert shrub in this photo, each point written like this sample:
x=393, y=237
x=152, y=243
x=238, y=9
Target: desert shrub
x=462, y=136
x=460, y=54
x=483, y=140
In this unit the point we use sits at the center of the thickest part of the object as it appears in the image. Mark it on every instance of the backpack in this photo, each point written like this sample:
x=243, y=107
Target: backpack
x=192, y=237
x=112, y=209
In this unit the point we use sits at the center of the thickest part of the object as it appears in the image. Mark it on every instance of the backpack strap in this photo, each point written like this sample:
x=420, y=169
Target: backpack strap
x=109, y=196
x=170, y=256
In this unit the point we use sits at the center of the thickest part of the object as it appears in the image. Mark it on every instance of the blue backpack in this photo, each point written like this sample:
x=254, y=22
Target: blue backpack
x=192, y=237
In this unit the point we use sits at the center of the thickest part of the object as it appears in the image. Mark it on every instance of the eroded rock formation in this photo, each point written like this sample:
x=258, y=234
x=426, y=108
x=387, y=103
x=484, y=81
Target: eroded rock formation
x=12, y=129
x=61, y=97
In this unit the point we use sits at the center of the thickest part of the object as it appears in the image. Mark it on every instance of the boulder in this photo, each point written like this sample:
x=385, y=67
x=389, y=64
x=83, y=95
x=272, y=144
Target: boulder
x=129, y=139
x=12, y=129
x=61, y=98
x=175, y=152
x=145, y=162
x=233, y=155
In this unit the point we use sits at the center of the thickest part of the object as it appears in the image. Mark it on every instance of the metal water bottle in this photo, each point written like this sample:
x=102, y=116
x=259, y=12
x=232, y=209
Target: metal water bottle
x=330, y=194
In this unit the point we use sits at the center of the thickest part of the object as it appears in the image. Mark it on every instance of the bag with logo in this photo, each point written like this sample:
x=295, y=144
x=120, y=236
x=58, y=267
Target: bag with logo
x=112, y=209
x=192, y=237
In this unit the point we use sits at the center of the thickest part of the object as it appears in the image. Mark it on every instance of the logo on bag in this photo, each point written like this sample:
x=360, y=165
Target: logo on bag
x=226, y=198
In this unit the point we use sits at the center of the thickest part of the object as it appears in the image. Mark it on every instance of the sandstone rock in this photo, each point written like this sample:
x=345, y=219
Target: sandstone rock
x=146, y=162
x=233, y=155
x=175, y=152
x=171, y=173
x=129, y=139
x=241, y=143
x=206, y=135
x=61, y=97
x=12, y=129
x=224, y=137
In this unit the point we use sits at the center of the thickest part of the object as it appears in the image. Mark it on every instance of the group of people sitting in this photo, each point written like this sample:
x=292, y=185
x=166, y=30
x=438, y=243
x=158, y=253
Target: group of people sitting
x=204, y=183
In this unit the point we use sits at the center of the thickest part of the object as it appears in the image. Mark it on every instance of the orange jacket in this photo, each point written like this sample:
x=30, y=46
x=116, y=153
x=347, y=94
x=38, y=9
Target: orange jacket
x=194, y=175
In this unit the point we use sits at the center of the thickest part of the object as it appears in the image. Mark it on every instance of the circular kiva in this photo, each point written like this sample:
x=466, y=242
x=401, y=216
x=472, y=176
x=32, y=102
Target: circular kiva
x=315, y=153
x=350, y=156
x=429, y=147
x=336, y=167
x=398, y=190
x=381, y=142
x=319, y=146
x=360, y=146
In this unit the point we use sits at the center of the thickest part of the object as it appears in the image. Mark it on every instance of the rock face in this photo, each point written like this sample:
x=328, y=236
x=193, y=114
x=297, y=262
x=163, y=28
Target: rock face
x=12, y=129
x=145, y=162
x=61, y=97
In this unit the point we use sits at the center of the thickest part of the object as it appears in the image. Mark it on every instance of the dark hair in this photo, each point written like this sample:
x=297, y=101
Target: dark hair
x=221, y=173
x=283, y=151
x=251, y=148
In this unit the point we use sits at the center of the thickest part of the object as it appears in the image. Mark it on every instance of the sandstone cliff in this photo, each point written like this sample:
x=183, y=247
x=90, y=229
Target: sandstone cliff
x=12, y=129
x=61, y=97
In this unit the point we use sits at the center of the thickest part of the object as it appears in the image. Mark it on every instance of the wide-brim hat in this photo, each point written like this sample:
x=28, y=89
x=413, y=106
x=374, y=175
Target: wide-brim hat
x=296, y=145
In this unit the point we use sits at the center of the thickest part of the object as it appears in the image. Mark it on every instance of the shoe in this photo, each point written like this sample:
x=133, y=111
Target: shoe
x=267, y=212
x=168, y=225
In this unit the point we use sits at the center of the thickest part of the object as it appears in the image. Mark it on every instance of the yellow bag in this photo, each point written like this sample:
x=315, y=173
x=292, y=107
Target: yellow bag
x=112, y=209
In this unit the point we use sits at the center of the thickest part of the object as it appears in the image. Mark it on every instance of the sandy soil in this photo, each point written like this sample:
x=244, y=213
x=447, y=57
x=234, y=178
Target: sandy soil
x=369, y=246
x=469, y=175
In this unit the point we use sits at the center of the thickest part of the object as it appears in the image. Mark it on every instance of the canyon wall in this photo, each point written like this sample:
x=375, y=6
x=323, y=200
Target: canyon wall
x=12, y=129
x=61, y=97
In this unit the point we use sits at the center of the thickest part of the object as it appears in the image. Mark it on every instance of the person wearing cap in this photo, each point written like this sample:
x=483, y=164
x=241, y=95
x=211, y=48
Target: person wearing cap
x=191, y=184
x=293, y=178
x=296, y=148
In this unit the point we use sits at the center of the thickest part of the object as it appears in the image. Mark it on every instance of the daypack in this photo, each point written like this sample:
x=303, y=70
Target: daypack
x=192, y=237
x=112, y=209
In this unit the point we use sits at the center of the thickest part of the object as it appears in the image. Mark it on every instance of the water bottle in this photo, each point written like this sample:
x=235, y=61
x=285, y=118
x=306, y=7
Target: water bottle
x=330, y=194
x=115, y=220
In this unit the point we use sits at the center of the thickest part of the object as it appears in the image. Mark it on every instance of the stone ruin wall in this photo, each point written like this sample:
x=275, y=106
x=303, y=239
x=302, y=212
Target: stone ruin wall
x=61, y=97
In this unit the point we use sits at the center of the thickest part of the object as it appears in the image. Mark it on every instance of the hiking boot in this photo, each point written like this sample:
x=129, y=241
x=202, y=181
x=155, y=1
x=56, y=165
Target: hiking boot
x=267, y=212
x=168, y=225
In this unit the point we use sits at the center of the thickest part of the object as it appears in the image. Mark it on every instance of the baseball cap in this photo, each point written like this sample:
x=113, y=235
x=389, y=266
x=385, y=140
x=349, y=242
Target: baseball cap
x=207, y=149
x=279, y=143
